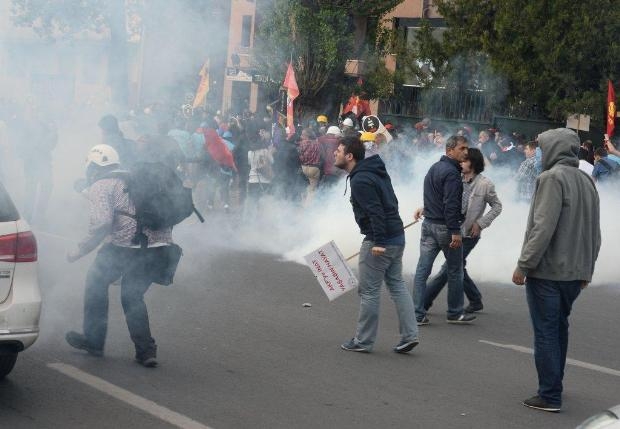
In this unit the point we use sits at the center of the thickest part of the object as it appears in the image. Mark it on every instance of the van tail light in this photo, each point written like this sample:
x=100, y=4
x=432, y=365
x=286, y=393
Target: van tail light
x=20, y=247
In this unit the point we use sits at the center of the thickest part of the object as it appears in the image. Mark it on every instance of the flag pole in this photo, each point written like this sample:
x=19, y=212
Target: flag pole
x=405, y=227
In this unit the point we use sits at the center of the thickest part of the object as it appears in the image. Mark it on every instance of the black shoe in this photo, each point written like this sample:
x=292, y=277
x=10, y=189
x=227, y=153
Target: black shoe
x=406, y=346
x=423, y=321
x=149, y=362
x=472, y=308
x=78, y=341
x=461, y=319
x=540, y=404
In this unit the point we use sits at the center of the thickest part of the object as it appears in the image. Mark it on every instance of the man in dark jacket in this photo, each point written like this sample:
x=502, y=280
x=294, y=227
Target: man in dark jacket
x=376, y=212
x=441, y=230
x=560, y=248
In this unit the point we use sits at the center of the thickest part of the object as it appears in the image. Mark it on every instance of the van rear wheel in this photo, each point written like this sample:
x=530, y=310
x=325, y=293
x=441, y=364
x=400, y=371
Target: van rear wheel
x=7, y=362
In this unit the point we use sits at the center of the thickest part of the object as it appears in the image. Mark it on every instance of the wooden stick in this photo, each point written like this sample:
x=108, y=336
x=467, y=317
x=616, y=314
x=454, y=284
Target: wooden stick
x=405, y=227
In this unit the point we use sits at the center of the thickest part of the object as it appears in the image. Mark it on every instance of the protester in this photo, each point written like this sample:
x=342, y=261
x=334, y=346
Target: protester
x=561, y=245
x=527, y=173
x=330, y=175
x=376, y=212
x=441, y=230
x=368, y=139
x=310, y=159
x=260, y=160
x=112, y=220
x=603, y=166
x=478, y=191
x=111, y=135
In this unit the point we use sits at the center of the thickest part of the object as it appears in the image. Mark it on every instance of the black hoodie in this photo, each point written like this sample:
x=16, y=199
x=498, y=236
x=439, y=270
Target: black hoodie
x=374, y=203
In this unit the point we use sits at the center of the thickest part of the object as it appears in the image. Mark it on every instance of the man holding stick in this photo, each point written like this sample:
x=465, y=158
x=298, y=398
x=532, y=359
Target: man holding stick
x=376, y=212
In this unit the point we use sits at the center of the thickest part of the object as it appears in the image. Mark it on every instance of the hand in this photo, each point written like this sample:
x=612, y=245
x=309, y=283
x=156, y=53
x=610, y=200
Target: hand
x=377, y=251
x=475, y=230
x=73, y=255
x=518, y=277
x=418, y=213
x=584, y=284
x=456, y=242
x=493, y=156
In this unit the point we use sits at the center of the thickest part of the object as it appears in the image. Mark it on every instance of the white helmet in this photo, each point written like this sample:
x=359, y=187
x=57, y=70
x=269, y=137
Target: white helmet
x=102, y=155
x=334, y=130
x=347, y=122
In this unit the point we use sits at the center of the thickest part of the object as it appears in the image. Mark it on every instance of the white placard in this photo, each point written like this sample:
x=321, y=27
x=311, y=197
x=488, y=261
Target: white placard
x=331, y=270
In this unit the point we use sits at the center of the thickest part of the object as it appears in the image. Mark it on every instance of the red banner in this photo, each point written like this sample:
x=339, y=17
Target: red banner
x=292, y=92
x=611, y=109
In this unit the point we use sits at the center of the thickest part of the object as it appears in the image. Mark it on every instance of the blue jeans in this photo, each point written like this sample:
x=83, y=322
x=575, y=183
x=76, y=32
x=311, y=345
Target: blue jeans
x=436, y=238
x=373, y=270
x=436, y=284
x=550, y=303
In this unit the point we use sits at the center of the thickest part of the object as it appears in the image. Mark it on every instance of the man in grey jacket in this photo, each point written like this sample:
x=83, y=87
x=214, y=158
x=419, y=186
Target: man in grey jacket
x=560, y=248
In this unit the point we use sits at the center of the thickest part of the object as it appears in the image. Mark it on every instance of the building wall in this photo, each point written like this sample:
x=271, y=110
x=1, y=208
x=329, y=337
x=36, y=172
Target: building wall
x=239, y=91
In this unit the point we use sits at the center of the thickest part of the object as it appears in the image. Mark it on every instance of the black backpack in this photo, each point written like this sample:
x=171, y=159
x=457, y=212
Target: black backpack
x=158, y=194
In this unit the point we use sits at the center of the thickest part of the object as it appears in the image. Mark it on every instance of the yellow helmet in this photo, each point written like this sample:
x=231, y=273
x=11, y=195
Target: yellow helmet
x=367, y=136
x=321, y=118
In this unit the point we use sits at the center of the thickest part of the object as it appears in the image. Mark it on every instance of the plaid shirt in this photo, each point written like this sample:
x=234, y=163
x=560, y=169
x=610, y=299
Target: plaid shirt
x=526, y=179
x=310, y=152
x=107, y=199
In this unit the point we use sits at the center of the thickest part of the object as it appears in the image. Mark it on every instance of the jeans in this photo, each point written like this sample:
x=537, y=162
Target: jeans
x=111, y=263
x=550, y=303
x=436, y=284
x=373, y=270
x=436, y=238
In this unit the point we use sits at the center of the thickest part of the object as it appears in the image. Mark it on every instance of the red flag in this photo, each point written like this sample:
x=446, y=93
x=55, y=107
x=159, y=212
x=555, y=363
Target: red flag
x=292, y=92
x=358, y=106
x=611, y=109
x=217, y=148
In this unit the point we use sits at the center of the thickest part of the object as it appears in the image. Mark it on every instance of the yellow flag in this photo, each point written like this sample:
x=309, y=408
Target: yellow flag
x=203, y=87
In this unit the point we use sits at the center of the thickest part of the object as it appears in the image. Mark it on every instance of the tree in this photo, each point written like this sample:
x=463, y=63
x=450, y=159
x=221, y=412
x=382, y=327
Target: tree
x=58, y=19
x=318, y=36
x=554, y=54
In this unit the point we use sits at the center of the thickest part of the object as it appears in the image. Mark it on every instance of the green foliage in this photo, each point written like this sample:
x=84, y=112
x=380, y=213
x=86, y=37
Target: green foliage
x=59, y=18
x=318, y=36
x=556, y=54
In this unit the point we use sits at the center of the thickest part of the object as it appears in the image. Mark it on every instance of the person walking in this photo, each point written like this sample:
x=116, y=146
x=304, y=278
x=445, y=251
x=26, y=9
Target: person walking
x=376, y=212
x=478, y=191
x=559, y=251
x=112, y=221
x=441, y=231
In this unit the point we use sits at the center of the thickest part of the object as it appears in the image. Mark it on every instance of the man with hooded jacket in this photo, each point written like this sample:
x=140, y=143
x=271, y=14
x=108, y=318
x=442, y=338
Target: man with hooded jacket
x=375, y=208
x=561, y=245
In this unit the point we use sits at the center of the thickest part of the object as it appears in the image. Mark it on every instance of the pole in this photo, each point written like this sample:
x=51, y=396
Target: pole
x=405, y=227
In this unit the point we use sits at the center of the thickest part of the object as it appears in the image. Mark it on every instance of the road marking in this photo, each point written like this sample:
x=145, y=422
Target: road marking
x=573, y=362
x=121, y=394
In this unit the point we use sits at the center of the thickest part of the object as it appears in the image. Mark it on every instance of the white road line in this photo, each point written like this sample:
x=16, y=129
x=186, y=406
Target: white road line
x=121, y=394
x=573, y=362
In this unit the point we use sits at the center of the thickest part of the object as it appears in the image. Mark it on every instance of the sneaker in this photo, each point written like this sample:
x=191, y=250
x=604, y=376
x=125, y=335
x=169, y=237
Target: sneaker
x=472, y=308
x=423, y=321
x=352, y=346
x=540, y=404
x=462, y=319
x=406, y=346
x=78, y=341
x=149, y=362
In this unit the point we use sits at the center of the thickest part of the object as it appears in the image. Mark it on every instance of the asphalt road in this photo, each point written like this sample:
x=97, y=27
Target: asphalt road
x=238, y=350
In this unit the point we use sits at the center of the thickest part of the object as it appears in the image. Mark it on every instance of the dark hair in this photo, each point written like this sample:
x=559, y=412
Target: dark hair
x=475, y=157
x=354, y=146
x=582, y=154
x=454, y=140
x=532, y=144
x=600, y=151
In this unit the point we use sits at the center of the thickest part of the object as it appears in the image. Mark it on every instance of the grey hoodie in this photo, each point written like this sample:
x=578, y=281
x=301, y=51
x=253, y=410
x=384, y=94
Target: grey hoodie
x=563, y=235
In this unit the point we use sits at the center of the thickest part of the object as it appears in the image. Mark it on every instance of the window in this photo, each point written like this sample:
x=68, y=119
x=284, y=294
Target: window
x=246, y=31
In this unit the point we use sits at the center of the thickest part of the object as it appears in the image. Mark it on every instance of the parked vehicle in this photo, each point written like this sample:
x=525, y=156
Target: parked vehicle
x=608, y=419
x=20, y=296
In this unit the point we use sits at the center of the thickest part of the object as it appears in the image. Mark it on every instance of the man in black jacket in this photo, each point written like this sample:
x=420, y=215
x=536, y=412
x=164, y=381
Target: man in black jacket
x=441, y=230
x=376, y=212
